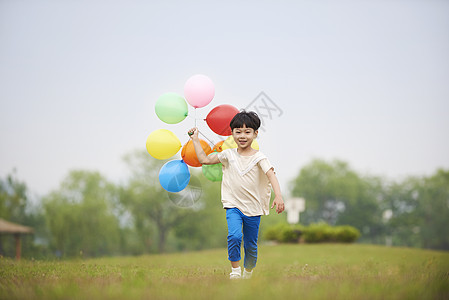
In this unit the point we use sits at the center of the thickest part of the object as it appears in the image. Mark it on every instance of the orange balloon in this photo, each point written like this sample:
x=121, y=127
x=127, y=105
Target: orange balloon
x=217, y=146
x=189, y=155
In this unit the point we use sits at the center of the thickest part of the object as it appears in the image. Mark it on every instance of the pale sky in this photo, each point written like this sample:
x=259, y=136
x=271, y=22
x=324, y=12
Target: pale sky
x=366, y=82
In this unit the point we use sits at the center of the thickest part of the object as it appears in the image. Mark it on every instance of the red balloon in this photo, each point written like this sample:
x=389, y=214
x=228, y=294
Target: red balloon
x=220, y=117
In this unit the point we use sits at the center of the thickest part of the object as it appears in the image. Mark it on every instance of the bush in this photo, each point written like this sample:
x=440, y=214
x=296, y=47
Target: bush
x=290, y=235
x=318, y=233
x=283, y=233
x=346, y=234
x=314, y=233
x=272, y=233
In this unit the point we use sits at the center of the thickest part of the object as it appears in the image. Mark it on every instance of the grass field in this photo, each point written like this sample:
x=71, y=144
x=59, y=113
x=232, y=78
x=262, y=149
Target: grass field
x=329, y=271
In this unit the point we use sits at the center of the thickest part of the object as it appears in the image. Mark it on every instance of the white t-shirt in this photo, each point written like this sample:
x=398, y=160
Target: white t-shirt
x=245, y=184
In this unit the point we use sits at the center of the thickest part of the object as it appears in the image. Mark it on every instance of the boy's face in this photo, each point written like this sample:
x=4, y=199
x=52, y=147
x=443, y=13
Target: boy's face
x=244, y=136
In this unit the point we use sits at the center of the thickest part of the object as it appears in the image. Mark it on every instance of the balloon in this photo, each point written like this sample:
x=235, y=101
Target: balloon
x=171, y=108
x=163, y=144
x=220, y=117
x=189, y=155
x=213, y=172
x=174, y=176
x=199, y=90
x=230, y=143
x=218, y=146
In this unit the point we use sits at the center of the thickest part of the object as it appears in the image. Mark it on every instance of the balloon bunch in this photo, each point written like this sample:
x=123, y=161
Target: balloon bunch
x=162, y=144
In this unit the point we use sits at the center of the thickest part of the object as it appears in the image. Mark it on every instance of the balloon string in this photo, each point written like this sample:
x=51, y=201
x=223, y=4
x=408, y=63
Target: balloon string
x=205, y=137
x=195, y=116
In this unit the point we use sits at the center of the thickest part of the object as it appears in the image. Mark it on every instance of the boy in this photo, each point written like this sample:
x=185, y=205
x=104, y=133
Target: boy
x=245, y=190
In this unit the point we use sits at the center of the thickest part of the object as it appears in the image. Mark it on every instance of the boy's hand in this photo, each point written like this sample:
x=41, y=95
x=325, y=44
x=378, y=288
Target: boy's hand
x=280, y=206
x=193, y=133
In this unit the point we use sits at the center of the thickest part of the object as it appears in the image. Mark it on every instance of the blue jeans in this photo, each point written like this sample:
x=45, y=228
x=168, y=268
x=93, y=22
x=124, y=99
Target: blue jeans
x=236, y=220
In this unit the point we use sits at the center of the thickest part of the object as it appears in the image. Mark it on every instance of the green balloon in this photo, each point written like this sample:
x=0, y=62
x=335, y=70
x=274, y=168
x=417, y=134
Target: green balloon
x=213, y=172
x=171, y=108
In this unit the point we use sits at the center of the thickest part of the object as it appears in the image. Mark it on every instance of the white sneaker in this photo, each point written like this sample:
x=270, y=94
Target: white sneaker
x=246, y=274
x=236, y=273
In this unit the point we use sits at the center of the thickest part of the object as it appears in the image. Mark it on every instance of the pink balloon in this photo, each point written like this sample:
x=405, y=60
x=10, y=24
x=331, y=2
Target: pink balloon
x=199, y=90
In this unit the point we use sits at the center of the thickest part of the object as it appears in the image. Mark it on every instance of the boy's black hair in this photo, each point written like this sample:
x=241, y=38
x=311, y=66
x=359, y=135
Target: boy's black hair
x=248, y=118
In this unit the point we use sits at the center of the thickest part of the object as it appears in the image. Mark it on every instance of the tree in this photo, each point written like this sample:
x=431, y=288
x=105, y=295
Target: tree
x=420, y=211
x=204, y=224
x=401, y=201
x=81, y=216
x=158, y=216
x=15, y=206
x=337, y=195
x=13, y=199
x=433, y=210
x=152, y=213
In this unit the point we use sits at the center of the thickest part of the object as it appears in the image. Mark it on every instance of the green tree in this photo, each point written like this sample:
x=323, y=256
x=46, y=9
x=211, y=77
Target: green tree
x=13, y=199
x=165, y=221
x=153, y=215
x=420, y=211
x=82, y=217
x=337, y=195
x=16, y=206
x=433, y=210
x=401, y=200
x=204, y=225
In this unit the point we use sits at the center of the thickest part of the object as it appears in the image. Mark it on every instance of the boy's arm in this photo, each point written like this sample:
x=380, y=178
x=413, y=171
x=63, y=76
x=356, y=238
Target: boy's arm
x=277, y=192
x=202, y=157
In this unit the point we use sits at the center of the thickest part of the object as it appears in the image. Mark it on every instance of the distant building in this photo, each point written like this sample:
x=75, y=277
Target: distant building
x=16, y=230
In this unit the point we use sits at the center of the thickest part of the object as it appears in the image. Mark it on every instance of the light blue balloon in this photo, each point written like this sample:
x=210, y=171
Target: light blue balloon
x=174, y=176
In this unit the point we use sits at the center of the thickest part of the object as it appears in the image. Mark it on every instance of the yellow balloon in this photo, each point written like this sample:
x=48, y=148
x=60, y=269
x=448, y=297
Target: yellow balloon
x=230, y=143
x=163, y=144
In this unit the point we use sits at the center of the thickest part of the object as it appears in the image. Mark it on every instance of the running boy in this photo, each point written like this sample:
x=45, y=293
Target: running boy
x=245, y=189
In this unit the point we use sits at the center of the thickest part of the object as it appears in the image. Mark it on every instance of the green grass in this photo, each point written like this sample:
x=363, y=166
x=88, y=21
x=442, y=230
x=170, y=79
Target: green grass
x=334, y=271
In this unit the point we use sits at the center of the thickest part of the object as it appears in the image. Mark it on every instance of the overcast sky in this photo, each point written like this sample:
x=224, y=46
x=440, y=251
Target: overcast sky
x=366, y=82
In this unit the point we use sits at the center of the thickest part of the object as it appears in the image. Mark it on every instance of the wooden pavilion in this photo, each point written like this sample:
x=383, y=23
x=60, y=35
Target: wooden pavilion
x=16, y=230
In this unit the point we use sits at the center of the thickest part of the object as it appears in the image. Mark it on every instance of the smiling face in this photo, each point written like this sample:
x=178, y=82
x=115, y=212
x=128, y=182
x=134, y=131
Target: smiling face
x=244, y=136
